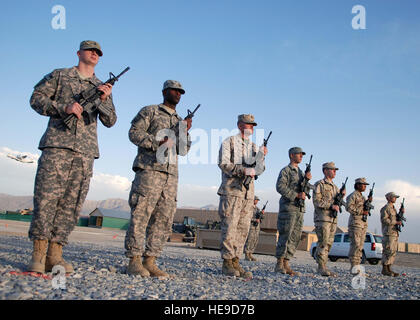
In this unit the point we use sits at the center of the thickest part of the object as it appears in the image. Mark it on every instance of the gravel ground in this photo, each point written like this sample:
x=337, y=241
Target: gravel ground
x=195, y=274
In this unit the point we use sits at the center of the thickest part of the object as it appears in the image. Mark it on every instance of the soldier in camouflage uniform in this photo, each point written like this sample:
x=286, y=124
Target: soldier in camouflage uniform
x=254, y=232
x=290, y=218
x=390, y=234
x=357, y=227
x=325, y=223
x=236, y=156
x=65, y=166
x=160, y=135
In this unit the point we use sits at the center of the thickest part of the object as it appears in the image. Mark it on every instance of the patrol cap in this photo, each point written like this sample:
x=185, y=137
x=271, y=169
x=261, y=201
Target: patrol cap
x=247, y=118
x=89, y=44
x=296, y=150
x=391, y=195
x=256, y=198
x=361, y=181
x=329, y=165
x=173, y=84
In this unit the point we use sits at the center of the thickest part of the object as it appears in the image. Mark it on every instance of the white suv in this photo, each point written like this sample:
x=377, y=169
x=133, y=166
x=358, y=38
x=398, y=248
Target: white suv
x=372, y=251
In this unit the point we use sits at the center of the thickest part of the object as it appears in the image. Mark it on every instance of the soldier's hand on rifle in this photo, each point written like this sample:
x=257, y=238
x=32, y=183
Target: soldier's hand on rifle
x=370, y=199
x=74, y=108
x=169, y=142
x=365, y=213
x=262, y=211
x=344, y=192
x=398, y=223
x=249, y=172
x=106, y=89
x=308, y=175
x=264, y=150
x=301, y=195
x=336, y=208
x=189, y=123
x=403, y=210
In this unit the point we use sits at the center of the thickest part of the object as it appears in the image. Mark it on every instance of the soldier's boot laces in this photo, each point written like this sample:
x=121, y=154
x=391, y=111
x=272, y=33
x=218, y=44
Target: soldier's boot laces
x=228, y=269
x=323, y=271
x=394, y=274
x=289, y=270
x=242, y=272
x=39, y=254
x=135, y=267
x=55, y=257
x=279, y=266
x=149, y=263
x=386, y=271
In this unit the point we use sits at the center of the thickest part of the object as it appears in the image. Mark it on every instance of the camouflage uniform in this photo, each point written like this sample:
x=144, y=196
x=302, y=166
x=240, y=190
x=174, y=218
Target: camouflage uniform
x=325, y=224
x=66, y=164
x=153, y=195
x=236, y=203
x=357, y=227
x=390, y=234
x=290, y=218
x=253, y=234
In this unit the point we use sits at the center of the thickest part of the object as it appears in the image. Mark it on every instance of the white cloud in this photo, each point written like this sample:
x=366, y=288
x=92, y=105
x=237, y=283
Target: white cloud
x=104, y=186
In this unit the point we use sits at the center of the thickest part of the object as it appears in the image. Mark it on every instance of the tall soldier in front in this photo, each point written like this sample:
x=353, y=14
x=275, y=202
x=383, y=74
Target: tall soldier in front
x=160, y=135
x=239, y=158
x=325, y=216
x=291, y=211
x=390, y=234
x=357, y=225
x=66, y=164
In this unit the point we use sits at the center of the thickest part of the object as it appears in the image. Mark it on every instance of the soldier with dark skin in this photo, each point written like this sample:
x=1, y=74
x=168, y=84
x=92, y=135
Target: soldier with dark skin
x=160, y=135
x=66, y=164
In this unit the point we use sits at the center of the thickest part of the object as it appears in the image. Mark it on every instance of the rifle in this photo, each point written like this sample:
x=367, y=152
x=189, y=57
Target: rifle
x=400, y=217
x=305, y=186
x=338, y=200
x=190, y=114
x=259, y=215
x=86, y=99
x=367, y=205
x=248, y=179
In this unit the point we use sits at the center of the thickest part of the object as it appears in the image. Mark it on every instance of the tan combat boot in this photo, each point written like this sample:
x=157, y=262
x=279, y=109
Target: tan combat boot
x=39, y=255
x=149, y=263
x=55, y=257
x=228, y=269
x=287, y=268
x=323, y=271
x=386, y=271
x=242, y=272
x=279, y=266
x=247, y=257
x=394, y=274
x=135, y=267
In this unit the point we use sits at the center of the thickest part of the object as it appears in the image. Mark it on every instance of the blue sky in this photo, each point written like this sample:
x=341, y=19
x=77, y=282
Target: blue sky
x=343, y=95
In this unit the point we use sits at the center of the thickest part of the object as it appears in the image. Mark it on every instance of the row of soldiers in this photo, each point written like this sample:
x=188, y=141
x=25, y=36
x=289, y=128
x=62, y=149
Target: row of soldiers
x=69, y=148
x=291, y=212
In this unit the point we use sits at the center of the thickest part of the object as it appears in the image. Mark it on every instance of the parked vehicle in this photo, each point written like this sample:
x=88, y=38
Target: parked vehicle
x=372, y=251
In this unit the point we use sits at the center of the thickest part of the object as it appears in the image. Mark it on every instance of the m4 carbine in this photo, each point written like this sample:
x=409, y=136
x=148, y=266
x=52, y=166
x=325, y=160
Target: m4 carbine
x=248, y=179
x=87, y=99
x=367, y=205
x=338, y=200
x=305, y=186
x=259, y=215
x=400, y=217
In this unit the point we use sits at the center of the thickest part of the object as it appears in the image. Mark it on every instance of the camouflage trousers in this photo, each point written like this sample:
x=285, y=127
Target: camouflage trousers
x=289, y=226
x=252, y=240
x=389, y=249
x=235, y=215
x=357, y=235
x=152, y=200
x=325, y=231
x=61, y=185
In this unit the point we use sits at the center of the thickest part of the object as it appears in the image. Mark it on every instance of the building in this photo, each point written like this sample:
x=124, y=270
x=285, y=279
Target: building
x=99, y=218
